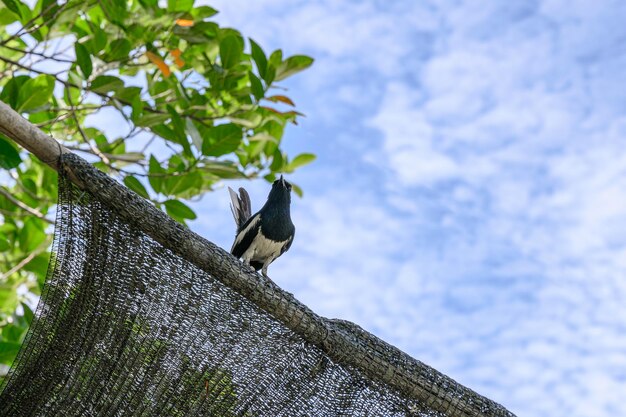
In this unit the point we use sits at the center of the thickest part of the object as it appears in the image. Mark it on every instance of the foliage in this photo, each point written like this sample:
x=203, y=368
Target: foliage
x=190, y=104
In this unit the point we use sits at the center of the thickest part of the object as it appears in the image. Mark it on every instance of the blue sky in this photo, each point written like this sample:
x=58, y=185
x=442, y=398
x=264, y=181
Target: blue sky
x=468, y=200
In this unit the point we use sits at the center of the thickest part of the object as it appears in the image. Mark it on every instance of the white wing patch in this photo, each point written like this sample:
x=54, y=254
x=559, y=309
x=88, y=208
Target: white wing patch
x=250, y=225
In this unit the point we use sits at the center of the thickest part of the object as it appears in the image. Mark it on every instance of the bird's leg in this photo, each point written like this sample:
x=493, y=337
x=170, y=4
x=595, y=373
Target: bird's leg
x=246, y=263
x=264, y=270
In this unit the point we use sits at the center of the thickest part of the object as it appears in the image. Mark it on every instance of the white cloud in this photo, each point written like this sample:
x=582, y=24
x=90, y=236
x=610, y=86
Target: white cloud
x=536, y=139
x=410, y=143
x=493, y=246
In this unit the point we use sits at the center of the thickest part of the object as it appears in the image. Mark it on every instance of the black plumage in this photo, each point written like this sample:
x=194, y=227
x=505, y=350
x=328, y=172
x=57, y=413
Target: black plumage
x=264, y=236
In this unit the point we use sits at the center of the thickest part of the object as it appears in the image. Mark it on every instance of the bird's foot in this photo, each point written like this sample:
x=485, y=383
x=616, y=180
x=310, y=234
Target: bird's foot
x=247, y=266
x=264, y=272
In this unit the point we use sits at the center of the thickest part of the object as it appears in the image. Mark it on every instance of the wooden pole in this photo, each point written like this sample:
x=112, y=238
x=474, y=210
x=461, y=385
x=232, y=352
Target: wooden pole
x=15, y=127
x=31, y=138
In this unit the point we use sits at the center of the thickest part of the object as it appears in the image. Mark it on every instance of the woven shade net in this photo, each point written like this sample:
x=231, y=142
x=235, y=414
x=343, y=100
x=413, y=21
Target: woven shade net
x=141, y=317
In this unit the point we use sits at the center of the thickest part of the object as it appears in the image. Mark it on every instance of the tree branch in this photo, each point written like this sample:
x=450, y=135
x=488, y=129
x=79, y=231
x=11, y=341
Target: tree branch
x=121, y=157
x=42, y=248
x=20, y=184
x=23, y=206
x=203, y=120
x=46, y=57
x=14, y=126
x=25, y=27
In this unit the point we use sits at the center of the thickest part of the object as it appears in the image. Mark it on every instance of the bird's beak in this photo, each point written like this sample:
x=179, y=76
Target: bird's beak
x=282, y=180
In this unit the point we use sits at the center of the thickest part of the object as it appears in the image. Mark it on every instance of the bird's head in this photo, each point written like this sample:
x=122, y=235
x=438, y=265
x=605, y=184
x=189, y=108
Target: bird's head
x=281, y=191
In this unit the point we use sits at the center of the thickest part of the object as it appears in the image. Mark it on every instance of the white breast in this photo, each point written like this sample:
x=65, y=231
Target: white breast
x=263, y=250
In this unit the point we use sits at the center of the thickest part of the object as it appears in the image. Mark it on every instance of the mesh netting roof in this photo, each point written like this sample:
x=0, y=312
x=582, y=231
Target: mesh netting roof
x=141, y=317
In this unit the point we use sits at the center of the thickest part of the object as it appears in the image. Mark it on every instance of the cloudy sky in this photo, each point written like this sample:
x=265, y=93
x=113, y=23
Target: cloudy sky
x=469, y=198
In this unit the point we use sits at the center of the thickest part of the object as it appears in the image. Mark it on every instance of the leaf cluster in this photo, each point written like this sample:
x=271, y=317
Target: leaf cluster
x=185, y=102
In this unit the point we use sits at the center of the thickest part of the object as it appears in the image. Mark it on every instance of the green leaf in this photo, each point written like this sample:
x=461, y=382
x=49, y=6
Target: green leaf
x=42, y=117
x=179, y=210
x=200, y=33
x=278, y=162
x=9, y=156
x=249, y=119
x=117, y=50
x=12, y=5
x=8, y=299
x=11, y=91
x=49, y=9
x=27, y=15
x=83, y=59
x=262, y=137
x=231, y=49
x=256, y=86
x=8, y=351
x=14, y=332
x=151, y=119
x=128, y=94
x=174, y=6
x=165, y=132
x=184, y=183
x=98, y=40
x=296, y=189
x=28, y=313
x=31, y=235
x=259, y=58
x=292, y=65
x=203, y=12
x=300, y=160
x=274, y=128
x=192, y=130
x=156, y=181
x=273, y=63
x=7, y=17
x=178, y=125
x=135, y=185
x=71, y=94
x=222, y=139
x=35, y=92
x=223, y=169
x=4, y=242
x=39, y=264
x=114, y=10
x=106, y=83
x=276, y=58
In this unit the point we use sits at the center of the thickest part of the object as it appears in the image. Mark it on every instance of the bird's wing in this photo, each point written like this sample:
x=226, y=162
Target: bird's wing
x=240, y=206
x=246, y=235
x=287, y=244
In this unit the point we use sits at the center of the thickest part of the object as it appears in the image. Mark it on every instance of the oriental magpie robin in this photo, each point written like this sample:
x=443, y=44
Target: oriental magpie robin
x=264, y=236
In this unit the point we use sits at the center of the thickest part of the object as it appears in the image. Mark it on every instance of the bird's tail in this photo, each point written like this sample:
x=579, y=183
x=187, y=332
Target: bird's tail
x=240, y=206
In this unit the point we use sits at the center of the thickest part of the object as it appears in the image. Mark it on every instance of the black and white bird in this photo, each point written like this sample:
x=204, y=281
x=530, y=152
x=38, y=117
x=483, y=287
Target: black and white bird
x=264, y=236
